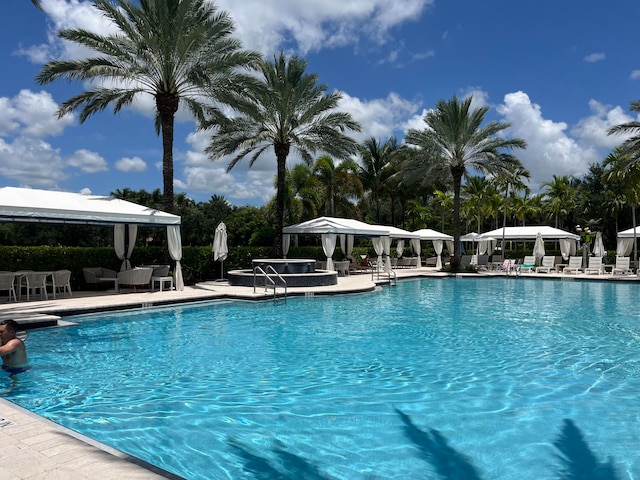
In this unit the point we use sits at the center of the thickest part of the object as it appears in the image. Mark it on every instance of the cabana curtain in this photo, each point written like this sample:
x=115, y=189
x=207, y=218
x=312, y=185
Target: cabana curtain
x=329, y=246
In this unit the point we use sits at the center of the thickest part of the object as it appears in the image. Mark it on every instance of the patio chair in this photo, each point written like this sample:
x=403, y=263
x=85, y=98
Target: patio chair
x=8, y=283
x=574, y=266
x=34, y=283
x=595, y=266
x=60, y=282
x=547, y=264
x=623, y=266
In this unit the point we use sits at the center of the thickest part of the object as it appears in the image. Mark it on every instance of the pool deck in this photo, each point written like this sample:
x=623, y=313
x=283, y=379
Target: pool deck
x=34, y=448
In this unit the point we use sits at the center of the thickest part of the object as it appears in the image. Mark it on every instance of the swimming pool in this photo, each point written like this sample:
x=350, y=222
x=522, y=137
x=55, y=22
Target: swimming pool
x=436, y=378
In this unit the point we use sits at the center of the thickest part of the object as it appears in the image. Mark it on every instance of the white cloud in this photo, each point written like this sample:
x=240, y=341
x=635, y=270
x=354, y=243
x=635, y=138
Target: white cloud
x=31, y=162
x=595, y=57
x=316, y=24
x=87, y=161
x=134, y=164
x=592, y=130
x=550, y=151
x=32, y=114
x=380, y=118
x=635, y=74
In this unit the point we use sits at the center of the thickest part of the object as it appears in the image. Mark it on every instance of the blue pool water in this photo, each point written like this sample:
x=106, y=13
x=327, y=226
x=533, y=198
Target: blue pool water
x=438, y=379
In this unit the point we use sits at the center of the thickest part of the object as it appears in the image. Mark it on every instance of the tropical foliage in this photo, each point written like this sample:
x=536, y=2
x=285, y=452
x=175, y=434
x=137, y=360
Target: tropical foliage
x=180, y=52
x=289, y=110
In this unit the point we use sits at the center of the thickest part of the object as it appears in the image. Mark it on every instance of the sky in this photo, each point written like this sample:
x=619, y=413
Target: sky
x=559, y=72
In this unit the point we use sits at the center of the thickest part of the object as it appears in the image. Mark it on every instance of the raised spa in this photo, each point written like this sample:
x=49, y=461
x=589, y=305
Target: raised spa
x=297, y=272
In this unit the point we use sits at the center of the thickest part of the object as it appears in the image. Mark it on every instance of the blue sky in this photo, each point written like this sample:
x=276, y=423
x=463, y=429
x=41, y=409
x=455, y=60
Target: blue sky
x=560, y=73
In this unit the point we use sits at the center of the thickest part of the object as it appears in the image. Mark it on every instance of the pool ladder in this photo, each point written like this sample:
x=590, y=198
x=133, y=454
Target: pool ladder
x=270, y=277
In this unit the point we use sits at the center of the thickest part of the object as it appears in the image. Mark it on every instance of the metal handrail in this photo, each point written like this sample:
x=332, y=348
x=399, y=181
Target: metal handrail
x=267, y=278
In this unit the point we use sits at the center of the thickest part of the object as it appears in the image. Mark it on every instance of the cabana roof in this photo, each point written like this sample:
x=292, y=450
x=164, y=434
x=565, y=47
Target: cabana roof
x=26, y=205
x=530, y=233
x=629, y=233
x=345, y=226
x=429, y=234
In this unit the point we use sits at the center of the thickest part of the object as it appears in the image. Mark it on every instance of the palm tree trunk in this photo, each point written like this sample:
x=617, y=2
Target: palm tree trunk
x=282, y=152
x=456, y=173
x=167, y=105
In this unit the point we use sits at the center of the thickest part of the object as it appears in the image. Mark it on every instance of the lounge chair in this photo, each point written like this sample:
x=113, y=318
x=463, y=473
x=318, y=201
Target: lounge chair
x=595, y=266
x=507, y=266
x=575, y=265
x=548, y=264
x=483, y=262
x=99, y=275
x=528, y=264
x=354, y=266
x=622, y=266
x=137, y=277
x=465, y=260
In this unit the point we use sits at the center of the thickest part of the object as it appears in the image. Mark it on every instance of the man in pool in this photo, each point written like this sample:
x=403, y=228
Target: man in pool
x=12, y=350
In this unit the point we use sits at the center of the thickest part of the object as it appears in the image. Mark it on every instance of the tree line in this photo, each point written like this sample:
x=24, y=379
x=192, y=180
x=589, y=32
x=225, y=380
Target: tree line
x=457, y=173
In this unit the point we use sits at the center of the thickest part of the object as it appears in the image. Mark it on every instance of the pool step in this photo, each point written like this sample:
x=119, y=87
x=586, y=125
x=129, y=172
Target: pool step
x=27, y=321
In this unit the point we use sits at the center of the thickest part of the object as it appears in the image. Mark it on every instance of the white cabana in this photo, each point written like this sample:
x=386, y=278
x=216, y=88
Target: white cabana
x=438, y=239
x=26, y=205
x=400, y=236
x=530, y=233
x=625, y=241
x=566, y=239
x=330, y=227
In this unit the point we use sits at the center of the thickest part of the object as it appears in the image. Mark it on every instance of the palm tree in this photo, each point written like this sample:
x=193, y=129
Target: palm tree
x=622, y=169
x=511, y=177
x=477, y=194
x=455, y=141
x=525, y=207
x=375, y=157
x=174, y=50
x=630, y=148
x=288, y=110
x=340, y=183
x=560, y=197
x=37, y=4
x=443, y=203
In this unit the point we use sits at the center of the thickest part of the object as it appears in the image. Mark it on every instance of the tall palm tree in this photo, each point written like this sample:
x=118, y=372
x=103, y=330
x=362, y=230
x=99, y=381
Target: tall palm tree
x=174, y=50
x=456, y=141
x=289, y=110
x=525, y=207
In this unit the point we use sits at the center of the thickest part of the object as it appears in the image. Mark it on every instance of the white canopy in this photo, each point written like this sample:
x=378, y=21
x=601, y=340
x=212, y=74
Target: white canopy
x=530, y=233
x=428, y=234
x=26, y=205
x=346, y=226
x=330, y=227
x=395, y=232
x=629, y=233
x=31, y=205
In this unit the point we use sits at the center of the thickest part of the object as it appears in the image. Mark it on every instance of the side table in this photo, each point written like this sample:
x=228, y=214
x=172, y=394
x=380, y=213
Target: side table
x=161, y=281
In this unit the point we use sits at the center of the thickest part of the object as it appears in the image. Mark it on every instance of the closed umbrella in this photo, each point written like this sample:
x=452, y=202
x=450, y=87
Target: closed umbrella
x=538, y=247
x=598, y=247
x=220, y=250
